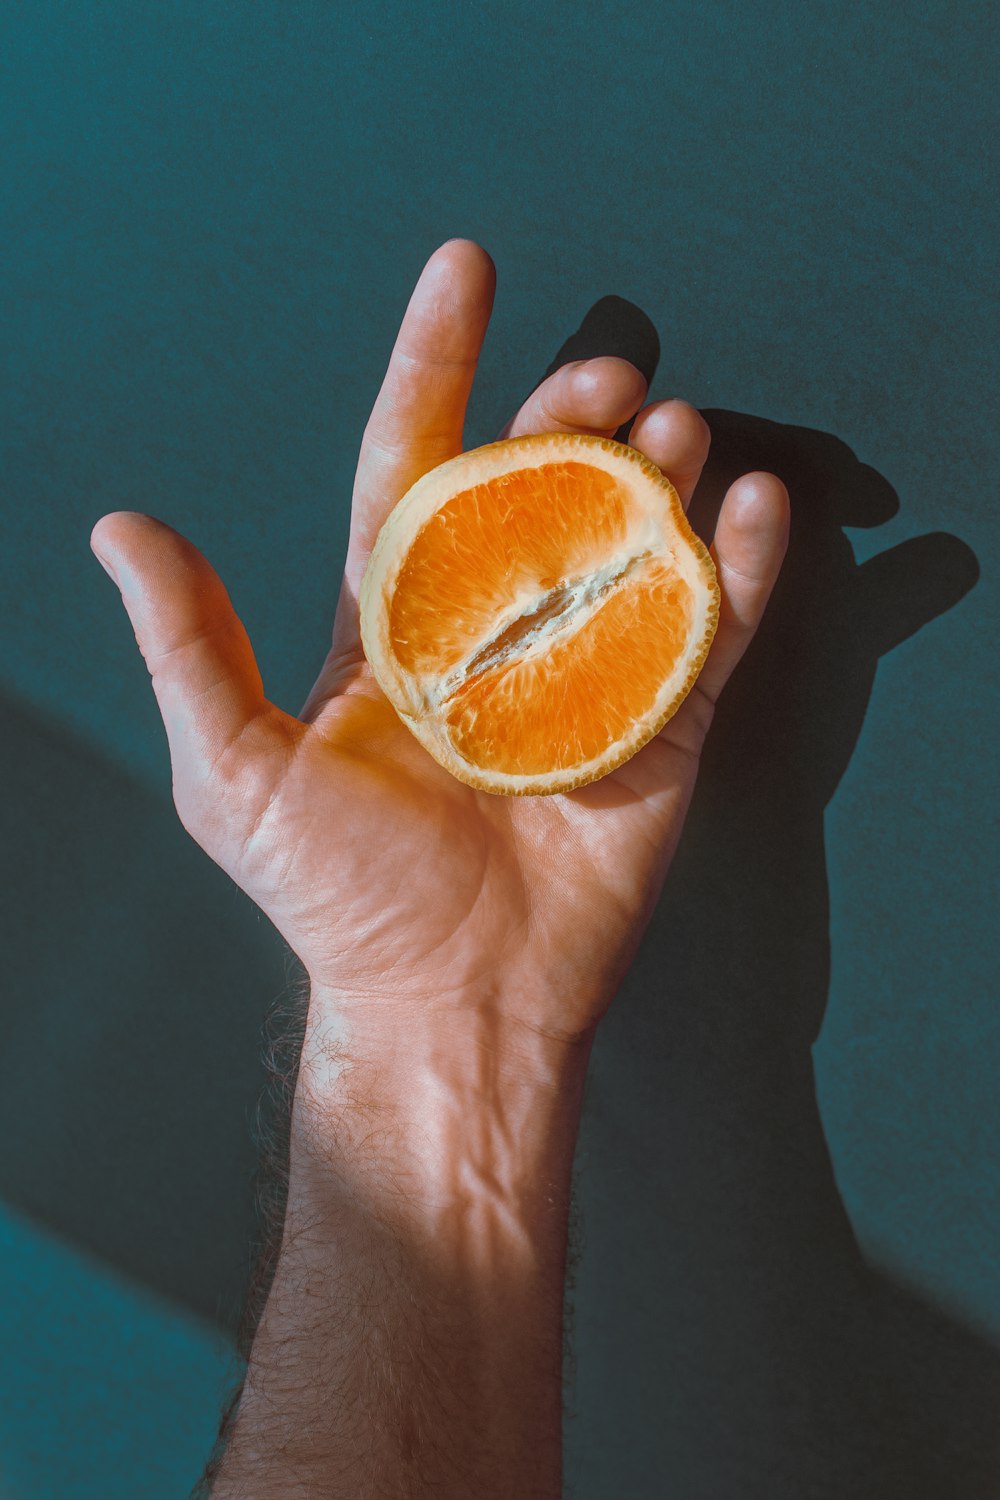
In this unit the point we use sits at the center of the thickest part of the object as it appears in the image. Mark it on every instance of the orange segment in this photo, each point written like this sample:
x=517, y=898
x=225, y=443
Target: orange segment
x=481, y=550
x=566, y=708
x=536, y=610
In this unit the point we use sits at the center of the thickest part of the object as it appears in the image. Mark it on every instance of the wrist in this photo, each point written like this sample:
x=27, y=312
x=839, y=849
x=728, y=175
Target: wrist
x=414, y=1323
x=450, y=1123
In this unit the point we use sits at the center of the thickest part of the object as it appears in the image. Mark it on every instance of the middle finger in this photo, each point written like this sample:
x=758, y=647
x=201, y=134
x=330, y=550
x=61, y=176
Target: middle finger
x=588, y=395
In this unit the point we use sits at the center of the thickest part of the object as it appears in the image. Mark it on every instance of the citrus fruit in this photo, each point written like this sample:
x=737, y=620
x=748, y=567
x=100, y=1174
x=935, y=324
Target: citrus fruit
x=537, y=609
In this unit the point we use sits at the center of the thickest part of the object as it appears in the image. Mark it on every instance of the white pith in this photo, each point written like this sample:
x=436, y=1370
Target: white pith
x=657, y=529
x=583, y=596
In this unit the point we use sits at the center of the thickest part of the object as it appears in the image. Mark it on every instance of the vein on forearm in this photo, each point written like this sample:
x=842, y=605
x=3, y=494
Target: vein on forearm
x=408, y=1291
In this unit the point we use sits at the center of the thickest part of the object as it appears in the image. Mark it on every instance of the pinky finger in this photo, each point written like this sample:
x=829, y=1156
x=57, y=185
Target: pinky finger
x=751, y=539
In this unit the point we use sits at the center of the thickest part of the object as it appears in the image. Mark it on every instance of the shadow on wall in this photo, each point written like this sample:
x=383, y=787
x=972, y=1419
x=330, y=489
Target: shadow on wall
x=737, y=1344
x=136, y=980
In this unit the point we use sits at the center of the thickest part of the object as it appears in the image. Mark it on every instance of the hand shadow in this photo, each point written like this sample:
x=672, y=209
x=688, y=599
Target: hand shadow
x=737, y=1344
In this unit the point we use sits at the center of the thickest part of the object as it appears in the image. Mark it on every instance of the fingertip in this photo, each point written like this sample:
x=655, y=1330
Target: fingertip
x=679, y=418
x=108, y=530
x=105, y=542
x=589, y=395
x=466, y=259
x=674, y=435
x=102, y=531
x=114, y=539
x=759, y=495
x=757, y=515
x=593, y=380
x=469, y=246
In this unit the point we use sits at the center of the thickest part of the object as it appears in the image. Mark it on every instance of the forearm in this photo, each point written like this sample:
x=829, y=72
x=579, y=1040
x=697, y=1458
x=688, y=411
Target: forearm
x=412, y=1340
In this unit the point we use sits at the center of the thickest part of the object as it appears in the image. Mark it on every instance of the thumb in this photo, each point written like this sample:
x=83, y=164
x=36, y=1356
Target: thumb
x=199, y=656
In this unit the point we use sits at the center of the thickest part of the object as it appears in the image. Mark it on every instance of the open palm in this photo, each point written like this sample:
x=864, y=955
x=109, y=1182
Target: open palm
x=396, y=885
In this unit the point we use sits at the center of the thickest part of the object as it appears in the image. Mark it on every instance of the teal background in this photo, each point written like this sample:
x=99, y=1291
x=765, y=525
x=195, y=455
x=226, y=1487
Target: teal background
x=212, y=215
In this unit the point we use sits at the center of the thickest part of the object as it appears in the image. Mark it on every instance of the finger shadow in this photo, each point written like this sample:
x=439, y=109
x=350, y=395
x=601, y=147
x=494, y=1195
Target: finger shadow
x=736, y=1340
x=613, y=326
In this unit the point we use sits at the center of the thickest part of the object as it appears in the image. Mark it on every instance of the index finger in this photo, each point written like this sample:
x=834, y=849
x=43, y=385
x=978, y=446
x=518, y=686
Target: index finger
x=419, y=415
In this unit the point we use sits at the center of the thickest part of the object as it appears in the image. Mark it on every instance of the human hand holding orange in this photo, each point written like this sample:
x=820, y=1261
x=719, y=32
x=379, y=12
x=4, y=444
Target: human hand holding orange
x=461, y=947
x=396, y=885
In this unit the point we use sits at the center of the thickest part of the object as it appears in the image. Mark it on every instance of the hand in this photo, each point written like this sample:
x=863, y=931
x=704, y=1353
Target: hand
x=460, y=946
x=400, y=888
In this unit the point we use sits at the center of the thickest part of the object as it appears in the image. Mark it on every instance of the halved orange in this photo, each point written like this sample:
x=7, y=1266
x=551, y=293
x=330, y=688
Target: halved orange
x=537, y=609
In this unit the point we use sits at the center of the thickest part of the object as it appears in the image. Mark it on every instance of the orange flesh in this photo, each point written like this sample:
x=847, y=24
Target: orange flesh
x=566, y=707
x=477, y=554
x=532, y=530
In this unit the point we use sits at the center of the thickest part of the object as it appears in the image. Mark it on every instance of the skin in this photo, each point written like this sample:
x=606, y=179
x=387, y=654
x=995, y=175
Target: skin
x=461, y=949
